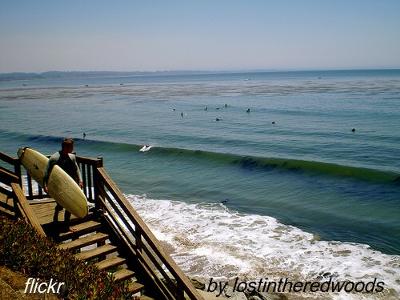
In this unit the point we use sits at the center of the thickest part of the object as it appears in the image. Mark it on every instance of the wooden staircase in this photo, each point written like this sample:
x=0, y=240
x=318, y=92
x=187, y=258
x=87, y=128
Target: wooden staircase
x=113, y=237
x=88, y=240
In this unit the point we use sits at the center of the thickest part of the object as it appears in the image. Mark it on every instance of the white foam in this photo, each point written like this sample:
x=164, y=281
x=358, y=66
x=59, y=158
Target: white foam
x=209, y=240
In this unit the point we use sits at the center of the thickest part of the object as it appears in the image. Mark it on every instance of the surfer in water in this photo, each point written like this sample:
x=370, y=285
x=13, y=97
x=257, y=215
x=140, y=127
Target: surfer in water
x=67, y=161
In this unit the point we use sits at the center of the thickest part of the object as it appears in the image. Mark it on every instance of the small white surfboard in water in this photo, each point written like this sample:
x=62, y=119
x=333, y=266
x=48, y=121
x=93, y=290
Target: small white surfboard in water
x=145, y=148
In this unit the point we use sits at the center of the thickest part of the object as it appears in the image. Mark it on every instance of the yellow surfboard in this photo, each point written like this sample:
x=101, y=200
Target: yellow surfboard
x=61, y=187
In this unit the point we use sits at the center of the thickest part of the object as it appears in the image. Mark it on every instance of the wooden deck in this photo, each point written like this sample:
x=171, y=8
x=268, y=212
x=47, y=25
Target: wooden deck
x=44, y=210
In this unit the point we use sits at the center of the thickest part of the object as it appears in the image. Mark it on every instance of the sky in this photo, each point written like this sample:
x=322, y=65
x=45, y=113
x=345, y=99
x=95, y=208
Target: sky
x=151, y=35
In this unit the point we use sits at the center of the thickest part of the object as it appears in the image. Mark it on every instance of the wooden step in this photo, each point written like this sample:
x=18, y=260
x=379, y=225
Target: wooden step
x=84, y=241
x=135, y=287
x=99, y=251
x=123, y=274
x=80, y=229
x=110, y=262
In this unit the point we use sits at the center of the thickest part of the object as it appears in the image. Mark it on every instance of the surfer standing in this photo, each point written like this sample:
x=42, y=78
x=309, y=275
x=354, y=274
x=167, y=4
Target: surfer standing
x=66, y=160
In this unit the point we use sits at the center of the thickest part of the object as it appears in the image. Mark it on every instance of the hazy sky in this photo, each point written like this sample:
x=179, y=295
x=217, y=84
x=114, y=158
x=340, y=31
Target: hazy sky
x=198, y=35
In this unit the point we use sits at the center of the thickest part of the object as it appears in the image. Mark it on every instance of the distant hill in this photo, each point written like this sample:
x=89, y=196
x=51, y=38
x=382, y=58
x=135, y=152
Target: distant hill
x=86, y=74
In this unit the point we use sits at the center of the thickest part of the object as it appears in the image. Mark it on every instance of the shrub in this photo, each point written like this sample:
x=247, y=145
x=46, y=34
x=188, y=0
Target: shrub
x=23, y=250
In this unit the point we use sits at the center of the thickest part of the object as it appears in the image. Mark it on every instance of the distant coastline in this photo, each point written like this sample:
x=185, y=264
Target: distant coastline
x=8, y=76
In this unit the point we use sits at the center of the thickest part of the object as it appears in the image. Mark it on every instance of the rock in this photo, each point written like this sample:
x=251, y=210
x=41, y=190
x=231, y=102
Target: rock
x=253, y=298
x=197, y=284
x=271, y=296
x=235, y=295
x=208, y=296
x=238, y=296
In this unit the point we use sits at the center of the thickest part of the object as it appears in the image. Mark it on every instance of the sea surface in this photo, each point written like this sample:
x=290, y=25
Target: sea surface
x=256, y=174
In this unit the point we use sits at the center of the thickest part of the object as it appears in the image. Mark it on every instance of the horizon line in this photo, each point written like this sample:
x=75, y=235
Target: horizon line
x=208, y=70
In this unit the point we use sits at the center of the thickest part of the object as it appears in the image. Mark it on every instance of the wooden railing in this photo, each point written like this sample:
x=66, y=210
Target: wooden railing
x=9, y=168
x=25, y=209
x=86, y=165
x=134, y=233
x=7, y=205
x=11, y=188
x=12, y=164
x=88, y=168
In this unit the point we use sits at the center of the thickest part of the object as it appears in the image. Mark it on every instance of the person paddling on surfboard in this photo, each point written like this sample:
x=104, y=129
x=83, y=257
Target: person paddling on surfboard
x=67, y=161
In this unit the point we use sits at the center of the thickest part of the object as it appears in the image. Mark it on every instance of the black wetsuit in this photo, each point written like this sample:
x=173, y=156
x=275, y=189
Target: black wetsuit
x=69, y=165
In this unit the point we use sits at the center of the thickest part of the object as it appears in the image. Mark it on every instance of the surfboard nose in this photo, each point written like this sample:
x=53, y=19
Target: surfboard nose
x=20, y=152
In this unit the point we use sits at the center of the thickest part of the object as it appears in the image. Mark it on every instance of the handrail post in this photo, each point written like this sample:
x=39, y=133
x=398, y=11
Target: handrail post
x=180, y=291
x=98, y=184
x=99, y=162
x=30, y=189
x=17, y=169
x=138, y=235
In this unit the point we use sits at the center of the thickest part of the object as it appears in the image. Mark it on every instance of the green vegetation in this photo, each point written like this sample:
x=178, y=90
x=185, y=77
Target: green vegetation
x=23, y=250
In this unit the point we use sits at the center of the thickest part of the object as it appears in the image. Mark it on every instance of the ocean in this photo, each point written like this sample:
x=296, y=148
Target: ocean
x=250, y=174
